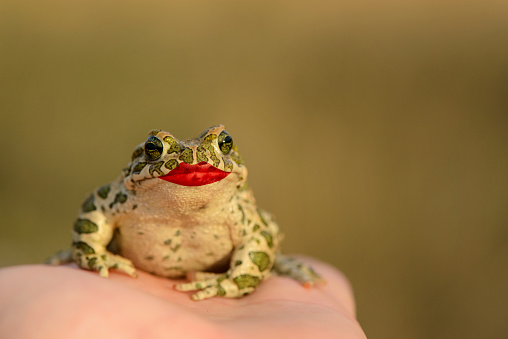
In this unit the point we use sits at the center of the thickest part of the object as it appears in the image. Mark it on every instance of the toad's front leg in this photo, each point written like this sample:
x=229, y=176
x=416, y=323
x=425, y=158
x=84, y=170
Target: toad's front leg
x=250, y=264
x=91, y=234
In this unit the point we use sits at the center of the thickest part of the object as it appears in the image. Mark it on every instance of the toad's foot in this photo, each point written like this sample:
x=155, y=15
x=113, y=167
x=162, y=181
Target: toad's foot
x=60, y=258
x=211, y=285
x=102, y=262
x=296, y=269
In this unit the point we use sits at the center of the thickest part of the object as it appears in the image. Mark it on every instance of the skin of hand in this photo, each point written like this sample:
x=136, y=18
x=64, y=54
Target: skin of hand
x=38, y=301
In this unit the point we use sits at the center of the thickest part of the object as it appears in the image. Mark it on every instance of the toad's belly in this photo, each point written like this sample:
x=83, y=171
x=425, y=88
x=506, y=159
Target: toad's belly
x=171, y=251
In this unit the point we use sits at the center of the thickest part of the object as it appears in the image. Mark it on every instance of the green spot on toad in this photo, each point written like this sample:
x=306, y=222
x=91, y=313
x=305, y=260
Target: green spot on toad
x=85, y=226
x=246, y=280
x=260, y=259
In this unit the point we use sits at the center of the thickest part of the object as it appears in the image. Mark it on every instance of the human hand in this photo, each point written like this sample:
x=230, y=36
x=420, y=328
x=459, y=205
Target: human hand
x=67, y=302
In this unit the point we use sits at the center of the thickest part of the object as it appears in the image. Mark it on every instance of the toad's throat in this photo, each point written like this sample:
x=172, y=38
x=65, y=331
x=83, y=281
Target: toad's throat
x=195, y=175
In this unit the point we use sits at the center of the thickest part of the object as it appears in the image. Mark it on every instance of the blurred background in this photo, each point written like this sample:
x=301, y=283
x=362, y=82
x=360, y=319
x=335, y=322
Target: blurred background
x=375, y=131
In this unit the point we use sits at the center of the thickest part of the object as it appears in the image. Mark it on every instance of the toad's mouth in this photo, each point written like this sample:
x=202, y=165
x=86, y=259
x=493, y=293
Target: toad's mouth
x=195, y=175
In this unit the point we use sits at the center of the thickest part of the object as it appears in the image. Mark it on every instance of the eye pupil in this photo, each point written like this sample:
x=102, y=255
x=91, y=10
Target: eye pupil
x=153, y=148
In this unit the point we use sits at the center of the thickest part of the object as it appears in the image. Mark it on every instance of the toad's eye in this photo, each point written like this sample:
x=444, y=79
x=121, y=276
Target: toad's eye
x=153, y=148
x=225, y=142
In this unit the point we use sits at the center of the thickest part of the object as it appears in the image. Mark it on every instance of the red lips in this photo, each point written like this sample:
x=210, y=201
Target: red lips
x=195, y=175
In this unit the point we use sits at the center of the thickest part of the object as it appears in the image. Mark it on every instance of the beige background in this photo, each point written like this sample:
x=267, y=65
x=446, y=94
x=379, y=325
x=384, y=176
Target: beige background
x=376, y=131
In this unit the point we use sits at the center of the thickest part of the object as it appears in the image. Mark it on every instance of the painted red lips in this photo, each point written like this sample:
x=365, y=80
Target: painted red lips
x=195, y=175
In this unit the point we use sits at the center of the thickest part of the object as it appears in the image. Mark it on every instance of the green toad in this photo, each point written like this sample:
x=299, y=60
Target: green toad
x=183, y=208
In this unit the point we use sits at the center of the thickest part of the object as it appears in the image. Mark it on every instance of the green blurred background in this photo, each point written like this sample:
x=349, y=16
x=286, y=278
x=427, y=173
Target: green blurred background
x=375, y=131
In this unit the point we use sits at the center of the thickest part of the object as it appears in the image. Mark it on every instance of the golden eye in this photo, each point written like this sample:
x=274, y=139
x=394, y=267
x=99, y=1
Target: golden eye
x=153, y=148
x=225, y=142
